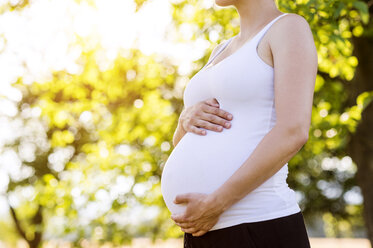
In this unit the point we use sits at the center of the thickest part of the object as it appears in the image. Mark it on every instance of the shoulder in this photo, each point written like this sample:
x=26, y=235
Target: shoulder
x=292, y=34
x=290, y=28
x=292, y=20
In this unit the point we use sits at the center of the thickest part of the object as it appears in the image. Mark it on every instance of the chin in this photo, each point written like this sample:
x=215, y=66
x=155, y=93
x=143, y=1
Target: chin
x=224, y=3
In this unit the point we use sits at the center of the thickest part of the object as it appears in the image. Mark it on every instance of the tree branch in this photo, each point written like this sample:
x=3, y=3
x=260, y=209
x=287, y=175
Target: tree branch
x=17, y=223
x=370, y=3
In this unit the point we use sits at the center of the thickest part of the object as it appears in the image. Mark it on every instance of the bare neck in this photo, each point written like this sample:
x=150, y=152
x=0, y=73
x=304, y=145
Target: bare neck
x=254, y=14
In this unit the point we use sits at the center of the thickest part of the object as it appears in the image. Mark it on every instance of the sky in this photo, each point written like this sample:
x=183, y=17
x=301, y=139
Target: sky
x=42, y=38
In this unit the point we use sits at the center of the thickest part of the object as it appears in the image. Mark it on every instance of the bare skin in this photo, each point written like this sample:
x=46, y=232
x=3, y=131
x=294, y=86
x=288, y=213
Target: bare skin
x=290, y=43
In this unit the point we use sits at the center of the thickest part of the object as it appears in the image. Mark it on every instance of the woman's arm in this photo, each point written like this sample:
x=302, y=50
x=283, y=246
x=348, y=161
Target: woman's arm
x=179, y=133
x=295, y=69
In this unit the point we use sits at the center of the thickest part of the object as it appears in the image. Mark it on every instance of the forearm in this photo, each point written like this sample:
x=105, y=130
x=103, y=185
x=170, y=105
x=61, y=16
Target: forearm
x=179, y=132
x=276, y=148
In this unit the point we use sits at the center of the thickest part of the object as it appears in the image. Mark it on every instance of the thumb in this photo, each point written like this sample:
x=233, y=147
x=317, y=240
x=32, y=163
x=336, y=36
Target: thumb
x=184, y=198
x=212, y=102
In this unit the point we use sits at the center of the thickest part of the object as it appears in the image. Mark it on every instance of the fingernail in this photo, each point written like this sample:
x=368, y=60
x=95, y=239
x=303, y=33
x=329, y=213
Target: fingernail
x=227, y=124
x=230, y=116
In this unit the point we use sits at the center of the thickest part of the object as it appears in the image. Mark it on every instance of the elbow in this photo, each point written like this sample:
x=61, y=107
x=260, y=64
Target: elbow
x=302, y=132
x=304, y=138
x=299, y=133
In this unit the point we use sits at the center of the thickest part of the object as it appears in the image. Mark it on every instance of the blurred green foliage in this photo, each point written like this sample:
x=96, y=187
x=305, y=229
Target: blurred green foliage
x=134, y=105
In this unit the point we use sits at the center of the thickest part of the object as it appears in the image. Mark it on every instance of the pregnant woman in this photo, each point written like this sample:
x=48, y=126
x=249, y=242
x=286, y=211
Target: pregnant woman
x=226, y=188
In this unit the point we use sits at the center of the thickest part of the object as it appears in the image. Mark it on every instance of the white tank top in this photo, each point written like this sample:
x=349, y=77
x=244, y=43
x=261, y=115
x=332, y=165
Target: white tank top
x=242, y=83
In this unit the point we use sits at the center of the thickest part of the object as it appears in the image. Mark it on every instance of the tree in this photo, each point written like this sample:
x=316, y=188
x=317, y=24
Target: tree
x=118, y=124
x=360, y=146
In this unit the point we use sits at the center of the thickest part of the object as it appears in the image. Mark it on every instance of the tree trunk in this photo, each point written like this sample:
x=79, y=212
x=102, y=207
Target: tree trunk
x=360, y=147
x=36, y=220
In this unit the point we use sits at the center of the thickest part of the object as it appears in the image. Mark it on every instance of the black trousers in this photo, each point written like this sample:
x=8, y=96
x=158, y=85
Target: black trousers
x=284, y=232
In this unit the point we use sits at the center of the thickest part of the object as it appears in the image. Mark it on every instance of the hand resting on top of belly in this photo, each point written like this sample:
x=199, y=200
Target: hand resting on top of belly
x=204, y=114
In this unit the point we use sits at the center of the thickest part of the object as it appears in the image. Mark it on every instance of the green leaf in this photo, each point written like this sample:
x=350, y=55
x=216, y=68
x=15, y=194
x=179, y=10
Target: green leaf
x=337, y=12
x=363, y=9
x=364, y=99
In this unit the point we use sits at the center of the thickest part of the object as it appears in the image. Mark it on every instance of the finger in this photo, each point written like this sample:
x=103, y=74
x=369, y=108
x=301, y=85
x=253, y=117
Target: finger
x=209, y=125
x=179, y=218
x=216, y=120
x=199, y=233
x=185, y=224
x=212, y=102
x=183, y=198
x=197, y=130
x=217, y=111
x=189, y=230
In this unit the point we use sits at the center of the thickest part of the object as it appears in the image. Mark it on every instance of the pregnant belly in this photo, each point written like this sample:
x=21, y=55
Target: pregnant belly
x=203, y=163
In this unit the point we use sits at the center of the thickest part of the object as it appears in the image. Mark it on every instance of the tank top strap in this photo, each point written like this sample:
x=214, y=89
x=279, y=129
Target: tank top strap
x=262, y=32
x=218, y=52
